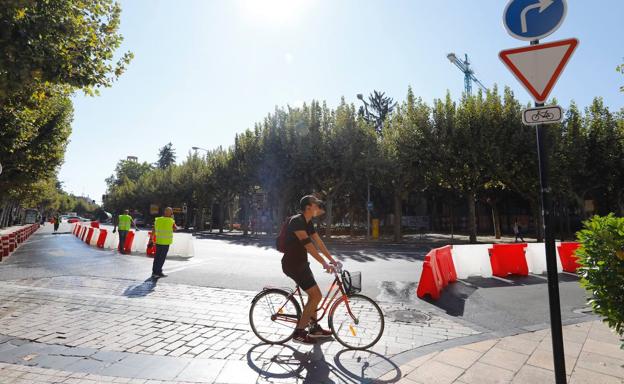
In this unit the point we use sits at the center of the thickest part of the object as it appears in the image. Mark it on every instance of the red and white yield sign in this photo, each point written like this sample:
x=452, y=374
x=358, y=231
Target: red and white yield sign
x=538, y=66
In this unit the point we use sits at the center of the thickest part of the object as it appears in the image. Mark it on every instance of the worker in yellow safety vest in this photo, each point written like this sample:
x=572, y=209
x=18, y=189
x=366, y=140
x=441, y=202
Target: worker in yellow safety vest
x=124, y=222
x=163, y=237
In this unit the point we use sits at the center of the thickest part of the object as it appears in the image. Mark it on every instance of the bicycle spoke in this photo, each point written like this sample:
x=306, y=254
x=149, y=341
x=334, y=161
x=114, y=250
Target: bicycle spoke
x=369, y=326
x=274, y=316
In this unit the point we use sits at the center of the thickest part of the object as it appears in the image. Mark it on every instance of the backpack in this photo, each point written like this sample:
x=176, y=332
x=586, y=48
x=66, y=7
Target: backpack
x=280, y=241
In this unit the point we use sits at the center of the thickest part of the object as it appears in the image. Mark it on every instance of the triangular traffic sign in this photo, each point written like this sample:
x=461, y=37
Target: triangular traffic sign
x=538, y=66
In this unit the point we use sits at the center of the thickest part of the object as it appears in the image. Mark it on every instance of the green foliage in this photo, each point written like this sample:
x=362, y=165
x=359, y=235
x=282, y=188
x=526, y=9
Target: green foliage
x=48, y=50
x=602, y=273
x=48, y=196
x=620, y=68
x=67, y=42
x=476, y=150
x=166, y=156
x=33, y=138
x=128, y=171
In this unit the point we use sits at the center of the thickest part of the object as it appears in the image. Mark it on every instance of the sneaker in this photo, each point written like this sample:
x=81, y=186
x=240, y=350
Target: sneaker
x=316, y=331
x=162, y=275
x=303, y=337
x=155, y=276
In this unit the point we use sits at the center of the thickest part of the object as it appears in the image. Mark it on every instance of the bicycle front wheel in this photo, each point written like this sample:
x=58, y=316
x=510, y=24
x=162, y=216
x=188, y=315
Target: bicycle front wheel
x=274, y=315
x=356, y=321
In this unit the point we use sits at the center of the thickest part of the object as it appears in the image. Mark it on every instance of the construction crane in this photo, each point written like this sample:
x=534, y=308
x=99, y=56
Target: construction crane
x=469, y=76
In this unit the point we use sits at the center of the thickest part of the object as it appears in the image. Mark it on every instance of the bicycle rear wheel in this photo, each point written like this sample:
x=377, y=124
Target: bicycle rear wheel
x=362, y=332
x=274, y=315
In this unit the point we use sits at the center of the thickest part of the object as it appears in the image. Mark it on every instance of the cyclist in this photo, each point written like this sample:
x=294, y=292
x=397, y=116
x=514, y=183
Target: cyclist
x=301, y=240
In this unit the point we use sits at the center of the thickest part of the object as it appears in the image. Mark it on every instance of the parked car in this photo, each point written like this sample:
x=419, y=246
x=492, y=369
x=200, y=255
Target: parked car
x=74, y=219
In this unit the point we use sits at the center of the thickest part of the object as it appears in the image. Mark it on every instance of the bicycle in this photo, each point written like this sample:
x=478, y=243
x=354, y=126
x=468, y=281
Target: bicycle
x=355, y=320
x=545, y=115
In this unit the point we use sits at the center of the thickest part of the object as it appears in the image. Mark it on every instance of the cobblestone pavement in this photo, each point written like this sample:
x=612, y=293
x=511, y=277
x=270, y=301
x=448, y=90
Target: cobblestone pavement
x=69, y=327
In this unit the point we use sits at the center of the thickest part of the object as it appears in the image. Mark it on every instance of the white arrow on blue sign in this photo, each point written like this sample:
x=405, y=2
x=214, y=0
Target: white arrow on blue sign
x=534, y=19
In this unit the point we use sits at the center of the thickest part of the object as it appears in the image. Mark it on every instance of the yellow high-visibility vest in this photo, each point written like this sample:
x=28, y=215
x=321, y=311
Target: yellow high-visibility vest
x=163, y=230
x=124, y=222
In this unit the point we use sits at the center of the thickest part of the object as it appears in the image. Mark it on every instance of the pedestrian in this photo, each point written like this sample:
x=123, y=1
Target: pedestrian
x=124, y=222
x=57, y=221
x=163, y=237
x=517, y=231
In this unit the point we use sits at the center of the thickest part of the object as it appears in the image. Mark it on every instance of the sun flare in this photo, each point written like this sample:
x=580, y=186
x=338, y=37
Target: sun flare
x=274, y=12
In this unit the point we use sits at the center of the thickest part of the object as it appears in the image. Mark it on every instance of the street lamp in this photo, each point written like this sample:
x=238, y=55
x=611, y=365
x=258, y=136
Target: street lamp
x=368, y=202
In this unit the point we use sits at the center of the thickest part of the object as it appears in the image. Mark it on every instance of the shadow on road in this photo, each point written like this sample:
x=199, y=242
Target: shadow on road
x=141, y=290
x=453, y=298
x=344, y=251
x=282, y=362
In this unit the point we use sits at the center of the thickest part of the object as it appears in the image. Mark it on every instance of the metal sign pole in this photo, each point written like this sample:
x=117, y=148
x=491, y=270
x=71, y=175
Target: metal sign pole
x=551, y=255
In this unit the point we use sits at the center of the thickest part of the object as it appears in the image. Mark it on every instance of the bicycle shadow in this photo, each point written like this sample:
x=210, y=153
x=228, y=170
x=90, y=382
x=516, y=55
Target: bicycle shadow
x=277, y=363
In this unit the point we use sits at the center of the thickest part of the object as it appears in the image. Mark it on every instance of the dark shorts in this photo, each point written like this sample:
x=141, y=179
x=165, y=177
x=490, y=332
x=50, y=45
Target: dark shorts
x=303, y=277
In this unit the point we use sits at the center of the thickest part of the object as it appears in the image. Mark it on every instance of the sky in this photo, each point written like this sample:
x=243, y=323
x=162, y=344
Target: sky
x=205, y=70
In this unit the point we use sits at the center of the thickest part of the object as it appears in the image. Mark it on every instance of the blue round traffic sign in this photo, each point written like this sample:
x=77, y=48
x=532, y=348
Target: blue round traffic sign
x=534, y=19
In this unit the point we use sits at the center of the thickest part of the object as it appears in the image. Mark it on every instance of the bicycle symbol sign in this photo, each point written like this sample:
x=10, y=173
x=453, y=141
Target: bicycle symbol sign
x=542, y=115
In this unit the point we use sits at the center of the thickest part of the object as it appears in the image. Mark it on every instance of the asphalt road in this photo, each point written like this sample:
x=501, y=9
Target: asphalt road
x=389, y=273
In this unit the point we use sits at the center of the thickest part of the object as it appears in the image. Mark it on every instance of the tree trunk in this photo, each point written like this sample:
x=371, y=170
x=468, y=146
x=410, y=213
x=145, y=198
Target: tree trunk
x=397, y=215
x=231, y=215
x=351, y=221
x=221, y=216
x=496, y=220
x=244, y=202
x=434, y=214
x=452, y=212
x=472, y=217
x=328, y=216
x=202, y=220
x=536, y=207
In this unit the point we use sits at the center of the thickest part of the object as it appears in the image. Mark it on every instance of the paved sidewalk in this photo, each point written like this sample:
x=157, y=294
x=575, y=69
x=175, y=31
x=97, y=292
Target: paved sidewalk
x=103, y=329
x=592, y=354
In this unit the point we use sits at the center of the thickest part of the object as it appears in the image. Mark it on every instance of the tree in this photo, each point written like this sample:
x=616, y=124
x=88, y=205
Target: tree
x=33, y=138
x=166, y=156
x=620, y=68
x=127, y=170
x=378, y=108
x=405, y=149
x=60, y=42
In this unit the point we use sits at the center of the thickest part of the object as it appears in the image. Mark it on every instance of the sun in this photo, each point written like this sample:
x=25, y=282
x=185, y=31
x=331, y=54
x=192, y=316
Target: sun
x=274, y=12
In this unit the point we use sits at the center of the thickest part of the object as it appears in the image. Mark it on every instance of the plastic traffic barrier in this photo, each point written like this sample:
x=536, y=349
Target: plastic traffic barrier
x=94, y=237
x=438, y=271
x=127, y=249
x=95, y=224
x=12, y=242
x=567, y=255
x=150, y=251
x=87, y=238
x=508, y=259
x=139, y=244
x=101, y=238
x=472, y=260
x=182, y=245
x=445, y=261
x=112, y=240
x=4, y=246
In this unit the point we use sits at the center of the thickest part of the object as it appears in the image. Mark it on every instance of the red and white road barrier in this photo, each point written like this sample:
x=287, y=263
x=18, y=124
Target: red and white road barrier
x=136, y=241
x=447, y=264
x=12, y=237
